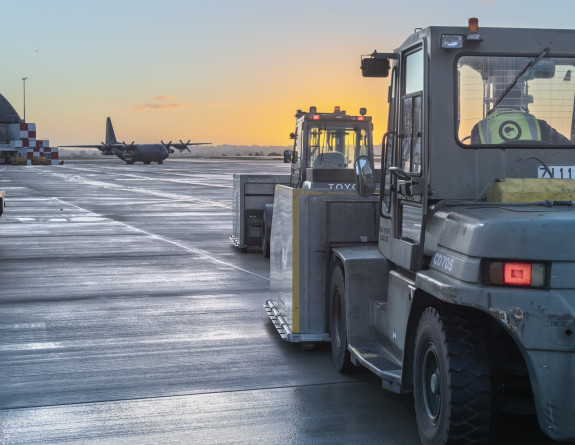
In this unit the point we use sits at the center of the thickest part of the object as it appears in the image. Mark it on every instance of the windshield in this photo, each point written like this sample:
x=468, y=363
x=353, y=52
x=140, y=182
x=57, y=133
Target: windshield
x=499, y=106
x=337, y=146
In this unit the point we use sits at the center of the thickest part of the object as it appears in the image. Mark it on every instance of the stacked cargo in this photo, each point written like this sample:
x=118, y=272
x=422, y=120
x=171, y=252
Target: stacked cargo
x=36, y=148
x=18, y=139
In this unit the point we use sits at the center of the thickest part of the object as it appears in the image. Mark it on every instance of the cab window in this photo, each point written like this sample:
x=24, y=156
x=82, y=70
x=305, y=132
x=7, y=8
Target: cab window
x=502, y=101
x=411, y=132
x=337, y=146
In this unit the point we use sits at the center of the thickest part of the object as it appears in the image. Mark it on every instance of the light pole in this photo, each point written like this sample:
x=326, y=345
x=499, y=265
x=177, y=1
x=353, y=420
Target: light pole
x=24, y=79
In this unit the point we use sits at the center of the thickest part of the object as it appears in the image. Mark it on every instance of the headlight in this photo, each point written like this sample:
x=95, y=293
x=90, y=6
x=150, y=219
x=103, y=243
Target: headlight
x=451, y=41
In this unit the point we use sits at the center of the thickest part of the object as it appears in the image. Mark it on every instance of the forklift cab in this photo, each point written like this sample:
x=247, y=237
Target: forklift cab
x=465, y=108
x=326, y=145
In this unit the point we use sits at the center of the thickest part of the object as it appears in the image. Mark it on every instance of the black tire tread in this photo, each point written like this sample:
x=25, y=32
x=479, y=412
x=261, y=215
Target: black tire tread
x=265, y=237
x=340, y=353
x=470, y=377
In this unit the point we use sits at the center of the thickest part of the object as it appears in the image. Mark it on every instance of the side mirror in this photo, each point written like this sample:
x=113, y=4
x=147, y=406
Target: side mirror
x=377, y=64
x=364, y=178
x=287, y=156
x=292, y=135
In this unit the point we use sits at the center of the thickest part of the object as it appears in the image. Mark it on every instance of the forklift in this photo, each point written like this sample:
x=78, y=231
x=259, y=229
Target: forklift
x=464, y=293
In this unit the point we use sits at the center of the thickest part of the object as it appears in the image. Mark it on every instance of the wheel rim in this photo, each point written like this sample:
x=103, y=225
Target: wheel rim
x=431, y=383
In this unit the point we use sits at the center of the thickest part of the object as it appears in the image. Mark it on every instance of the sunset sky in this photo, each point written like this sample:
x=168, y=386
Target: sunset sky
x=226, y=71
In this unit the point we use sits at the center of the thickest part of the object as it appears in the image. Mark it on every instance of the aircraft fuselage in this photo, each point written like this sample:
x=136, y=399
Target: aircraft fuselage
x=145, y=153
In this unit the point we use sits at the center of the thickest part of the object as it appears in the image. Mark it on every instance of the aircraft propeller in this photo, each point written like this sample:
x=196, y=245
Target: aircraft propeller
x=127, y=146
x=167, y=146
x=184, y=146
x=107, y=148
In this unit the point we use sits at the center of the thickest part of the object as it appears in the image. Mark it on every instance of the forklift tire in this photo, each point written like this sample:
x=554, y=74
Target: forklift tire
x=451, y=379
x=265, y=237
x=337, y=322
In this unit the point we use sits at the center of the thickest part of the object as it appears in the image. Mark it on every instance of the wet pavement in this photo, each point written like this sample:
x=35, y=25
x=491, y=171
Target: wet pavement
x=126, y=316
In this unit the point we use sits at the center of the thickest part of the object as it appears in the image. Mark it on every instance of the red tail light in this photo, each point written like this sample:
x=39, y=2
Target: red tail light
x=509, y=273
x=518, y=274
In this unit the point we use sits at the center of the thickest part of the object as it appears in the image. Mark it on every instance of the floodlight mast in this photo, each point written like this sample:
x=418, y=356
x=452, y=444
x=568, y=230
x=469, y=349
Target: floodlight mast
x=24, y=79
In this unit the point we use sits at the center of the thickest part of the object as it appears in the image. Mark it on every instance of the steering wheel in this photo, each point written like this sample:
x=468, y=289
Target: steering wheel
x=400, y=173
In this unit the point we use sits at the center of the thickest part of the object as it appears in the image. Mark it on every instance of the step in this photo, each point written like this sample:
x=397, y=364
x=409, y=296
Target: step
x=377, y=360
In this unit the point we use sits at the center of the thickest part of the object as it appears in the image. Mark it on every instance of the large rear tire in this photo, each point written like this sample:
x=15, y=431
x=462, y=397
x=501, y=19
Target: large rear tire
x=338, y=323
x=451, y=379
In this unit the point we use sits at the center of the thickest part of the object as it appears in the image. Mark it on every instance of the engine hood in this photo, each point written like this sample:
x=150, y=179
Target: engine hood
x=507, y=232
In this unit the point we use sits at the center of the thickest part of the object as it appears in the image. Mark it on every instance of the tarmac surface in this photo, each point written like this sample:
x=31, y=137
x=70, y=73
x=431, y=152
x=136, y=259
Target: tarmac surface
x=127, y=317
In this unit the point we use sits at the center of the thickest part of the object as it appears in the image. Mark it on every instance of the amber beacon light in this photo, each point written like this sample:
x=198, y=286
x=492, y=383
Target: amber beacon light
x=454, y=41
x=473, y=29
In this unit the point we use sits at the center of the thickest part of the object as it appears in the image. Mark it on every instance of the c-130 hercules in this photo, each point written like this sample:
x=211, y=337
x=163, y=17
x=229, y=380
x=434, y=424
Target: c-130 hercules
x=131, y=153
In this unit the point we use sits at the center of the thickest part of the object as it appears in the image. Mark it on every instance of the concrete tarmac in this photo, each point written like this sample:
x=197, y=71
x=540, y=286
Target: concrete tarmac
x=127, y=317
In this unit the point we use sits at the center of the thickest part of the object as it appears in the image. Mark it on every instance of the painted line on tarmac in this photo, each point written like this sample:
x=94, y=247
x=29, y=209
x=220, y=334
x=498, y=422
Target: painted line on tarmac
x=135, y=177
x=109, y=185
x=190, y=249
x=175, y=243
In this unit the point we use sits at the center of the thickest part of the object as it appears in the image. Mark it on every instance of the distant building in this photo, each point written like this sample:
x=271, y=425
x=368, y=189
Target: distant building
x=18, y=138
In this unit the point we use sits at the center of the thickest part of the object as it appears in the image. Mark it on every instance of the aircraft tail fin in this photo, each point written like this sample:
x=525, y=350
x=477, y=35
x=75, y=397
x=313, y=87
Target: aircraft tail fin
x=110, y=136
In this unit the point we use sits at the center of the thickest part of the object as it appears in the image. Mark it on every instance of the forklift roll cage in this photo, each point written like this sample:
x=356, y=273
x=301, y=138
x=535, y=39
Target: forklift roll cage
x=456, y=170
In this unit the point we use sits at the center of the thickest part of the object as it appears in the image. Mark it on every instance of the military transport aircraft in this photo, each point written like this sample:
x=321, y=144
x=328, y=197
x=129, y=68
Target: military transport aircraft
x=131, y=153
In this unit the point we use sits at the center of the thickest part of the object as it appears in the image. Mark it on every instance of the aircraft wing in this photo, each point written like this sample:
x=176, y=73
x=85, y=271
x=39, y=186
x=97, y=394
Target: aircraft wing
x=82, y=146
x=105, y=149
x=197, y=143
x=182, y=145
x=102, y=147
x=122, y=146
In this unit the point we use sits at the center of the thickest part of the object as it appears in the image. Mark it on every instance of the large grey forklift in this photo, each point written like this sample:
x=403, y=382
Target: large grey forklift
x=467, y=297
x=324, y=148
